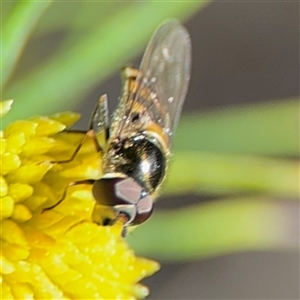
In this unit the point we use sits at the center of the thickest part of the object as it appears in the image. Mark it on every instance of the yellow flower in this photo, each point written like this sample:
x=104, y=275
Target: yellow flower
x=58, y=253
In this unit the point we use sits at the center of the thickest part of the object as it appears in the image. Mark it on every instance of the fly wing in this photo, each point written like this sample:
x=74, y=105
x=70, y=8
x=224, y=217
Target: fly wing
x=154, y=94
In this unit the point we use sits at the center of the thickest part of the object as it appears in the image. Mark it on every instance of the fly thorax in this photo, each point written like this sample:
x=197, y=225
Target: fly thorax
x=138, y=157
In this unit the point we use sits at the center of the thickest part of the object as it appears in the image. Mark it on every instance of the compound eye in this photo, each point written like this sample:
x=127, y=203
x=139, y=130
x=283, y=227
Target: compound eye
x=116, y=191
x=125, y=196
x=144, y=209
x=128, y=190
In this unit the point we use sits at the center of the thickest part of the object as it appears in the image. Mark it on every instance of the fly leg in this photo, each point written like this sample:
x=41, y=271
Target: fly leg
x=99, y=131
x=99, y=124
x=88, y=181
x=88, y=133
x=67, y=161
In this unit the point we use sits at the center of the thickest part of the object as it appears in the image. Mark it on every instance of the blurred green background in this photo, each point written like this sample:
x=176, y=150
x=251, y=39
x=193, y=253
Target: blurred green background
x=227, y=225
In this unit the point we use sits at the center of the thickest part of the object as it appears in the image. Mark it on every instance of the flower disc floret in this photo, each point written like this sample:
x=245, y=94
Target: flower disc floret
x=58, y=253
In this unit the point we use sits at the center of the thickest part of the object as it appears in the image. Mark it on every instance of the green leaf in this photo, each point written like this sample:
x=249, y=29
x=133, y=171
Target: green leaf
x=223, y=174
x=216, y=228
x=16, y=29
x=270, y=128
x=77, y=17
x=105, y=48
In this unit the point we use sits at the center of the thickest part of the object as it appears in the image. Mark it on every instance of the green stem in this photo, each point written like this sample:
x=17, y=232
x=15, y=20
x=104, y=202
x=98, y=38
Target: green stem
x=217, y=174
x=270, y=128
x=95, y=56
x=16, y=30
x=216, y=228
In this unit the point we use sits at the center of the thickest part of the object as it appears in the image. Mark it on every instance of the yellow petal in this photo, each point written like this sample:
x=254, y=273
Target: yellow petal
x=141, y=291
x=7, y=207
x=6, y=291
x=14, y=252
x=46, y=126
x=15, y=142
x=22, y=290
x=66, y=118
x=41, y=240
x=27, y=127
x=59, y=253
x=5, y=107
x=80, y=171
x=9, y=162
x=40, y=282
x=3, y=187
x=35, y=202
x=30, y=173
x=38, y=145
x=68, y=277
x=2, y=145
x=6, y=267
x=12, y=233
x=20, y=191
x=21, y=213
x=44, y=191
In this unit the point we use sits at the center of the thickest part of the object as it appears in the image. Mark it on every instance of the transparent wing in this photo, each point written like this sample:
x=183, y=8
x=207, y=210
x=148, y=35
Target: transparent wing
x=155, y=93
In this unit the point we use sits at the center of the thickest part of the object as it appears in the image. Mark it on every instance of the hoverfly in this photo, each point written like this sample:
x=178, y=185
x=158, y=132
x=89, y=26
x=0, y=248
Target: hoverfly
x=136, y=142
